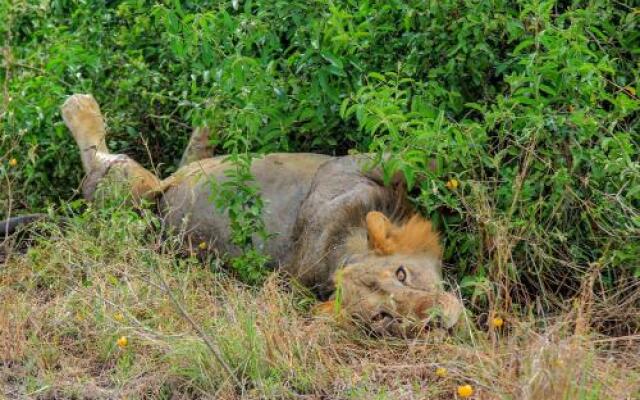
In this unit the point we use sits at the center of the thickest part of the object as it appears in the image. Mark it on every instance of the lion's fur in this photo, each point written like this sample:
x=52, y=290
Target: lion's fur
x=332, y=220
x=338, y=200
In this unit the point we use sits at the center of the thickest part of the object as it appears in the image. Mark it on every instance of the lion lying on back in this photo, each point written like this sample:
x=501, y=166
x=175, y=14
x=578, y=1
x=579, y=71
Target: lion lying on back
x=331, y=223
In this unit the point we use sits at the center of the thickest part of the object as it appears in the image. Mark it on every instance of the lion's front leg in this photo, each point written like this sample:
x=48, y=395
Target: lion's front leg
x=82, y=115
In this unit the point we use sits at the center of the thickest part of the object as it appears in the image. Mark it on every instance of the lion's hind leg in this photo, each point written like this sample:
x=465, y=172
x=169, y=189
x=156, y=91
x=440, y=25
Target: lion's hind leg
x=82, y=115
x=199, y=146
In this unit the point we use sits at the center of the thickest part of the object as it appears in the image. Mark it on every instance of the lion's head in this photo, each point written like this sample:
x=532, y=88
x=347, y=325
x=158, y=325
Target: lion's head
x=392, y=279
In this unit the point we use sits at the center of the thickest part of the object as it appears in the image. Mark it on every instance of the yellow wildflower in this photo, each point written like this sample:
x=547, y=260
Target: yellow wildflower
x=441, y=372
x=202, y=246
x=452, y=184
x=497, y=322
x=118, y=317
x=122, y=342
x=13, y=162
x=465, y=391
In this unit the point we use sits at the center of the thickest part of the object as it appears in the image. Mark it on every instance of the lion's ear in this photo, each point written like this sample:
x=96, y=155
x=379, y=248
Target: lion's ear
x=379, y=229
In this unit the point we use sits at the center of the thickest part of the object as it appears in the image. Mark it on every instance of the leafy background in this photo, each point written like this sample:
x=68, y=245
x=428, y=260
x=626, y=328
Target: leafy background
x=531, y=106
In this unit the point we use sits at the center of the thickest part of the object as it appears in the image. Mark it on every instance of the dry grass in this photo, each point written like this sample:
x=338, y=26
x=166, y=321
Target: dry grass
x=64, y=305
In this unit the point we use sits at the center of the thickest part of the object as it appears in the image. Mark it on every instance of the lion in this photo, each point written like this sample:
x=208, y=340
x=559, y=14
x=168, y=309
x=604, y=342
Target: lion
x=334, y=226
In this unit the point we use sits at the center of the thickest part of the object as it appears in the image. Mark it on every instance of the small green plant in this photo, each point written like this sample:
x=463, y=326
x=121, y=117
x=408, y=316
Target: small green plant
x=239, y=197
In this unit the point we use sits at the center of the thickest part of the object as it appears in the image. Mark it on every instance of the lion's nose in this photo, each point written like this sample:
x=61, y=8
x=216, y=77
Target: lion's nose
x=443, y=311
x=452, y=309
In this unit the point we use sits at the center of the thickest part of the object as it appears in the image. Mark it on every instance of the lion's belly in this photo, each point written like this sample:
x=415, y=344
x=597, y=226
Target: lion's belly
x=283, y=179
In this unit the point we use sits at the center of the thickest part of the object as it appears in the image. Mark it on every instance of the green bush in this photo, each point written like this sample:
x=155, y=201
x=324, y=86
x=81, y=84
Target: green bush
x=531, y=105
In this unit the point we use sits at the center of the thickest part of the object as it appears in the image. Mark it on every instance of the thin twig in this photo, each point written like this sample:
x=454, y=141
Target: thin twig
x=207, y=340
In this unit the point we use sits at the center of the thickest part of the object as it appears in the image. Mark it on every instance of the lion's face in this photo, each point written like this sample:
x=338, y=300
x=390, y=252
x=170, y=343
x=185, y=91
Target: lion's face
x=397, y=294
x=394, y=285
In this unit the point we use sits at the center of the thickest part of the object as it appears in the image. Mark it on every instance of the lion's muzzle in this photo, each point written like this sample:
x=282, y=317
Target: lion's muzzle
x=442, y=310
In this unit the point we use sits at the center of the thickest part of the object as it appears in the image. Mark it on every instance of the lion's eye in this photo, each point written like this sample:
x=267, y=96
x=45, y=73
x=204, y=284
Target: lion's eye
x=401, y=274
